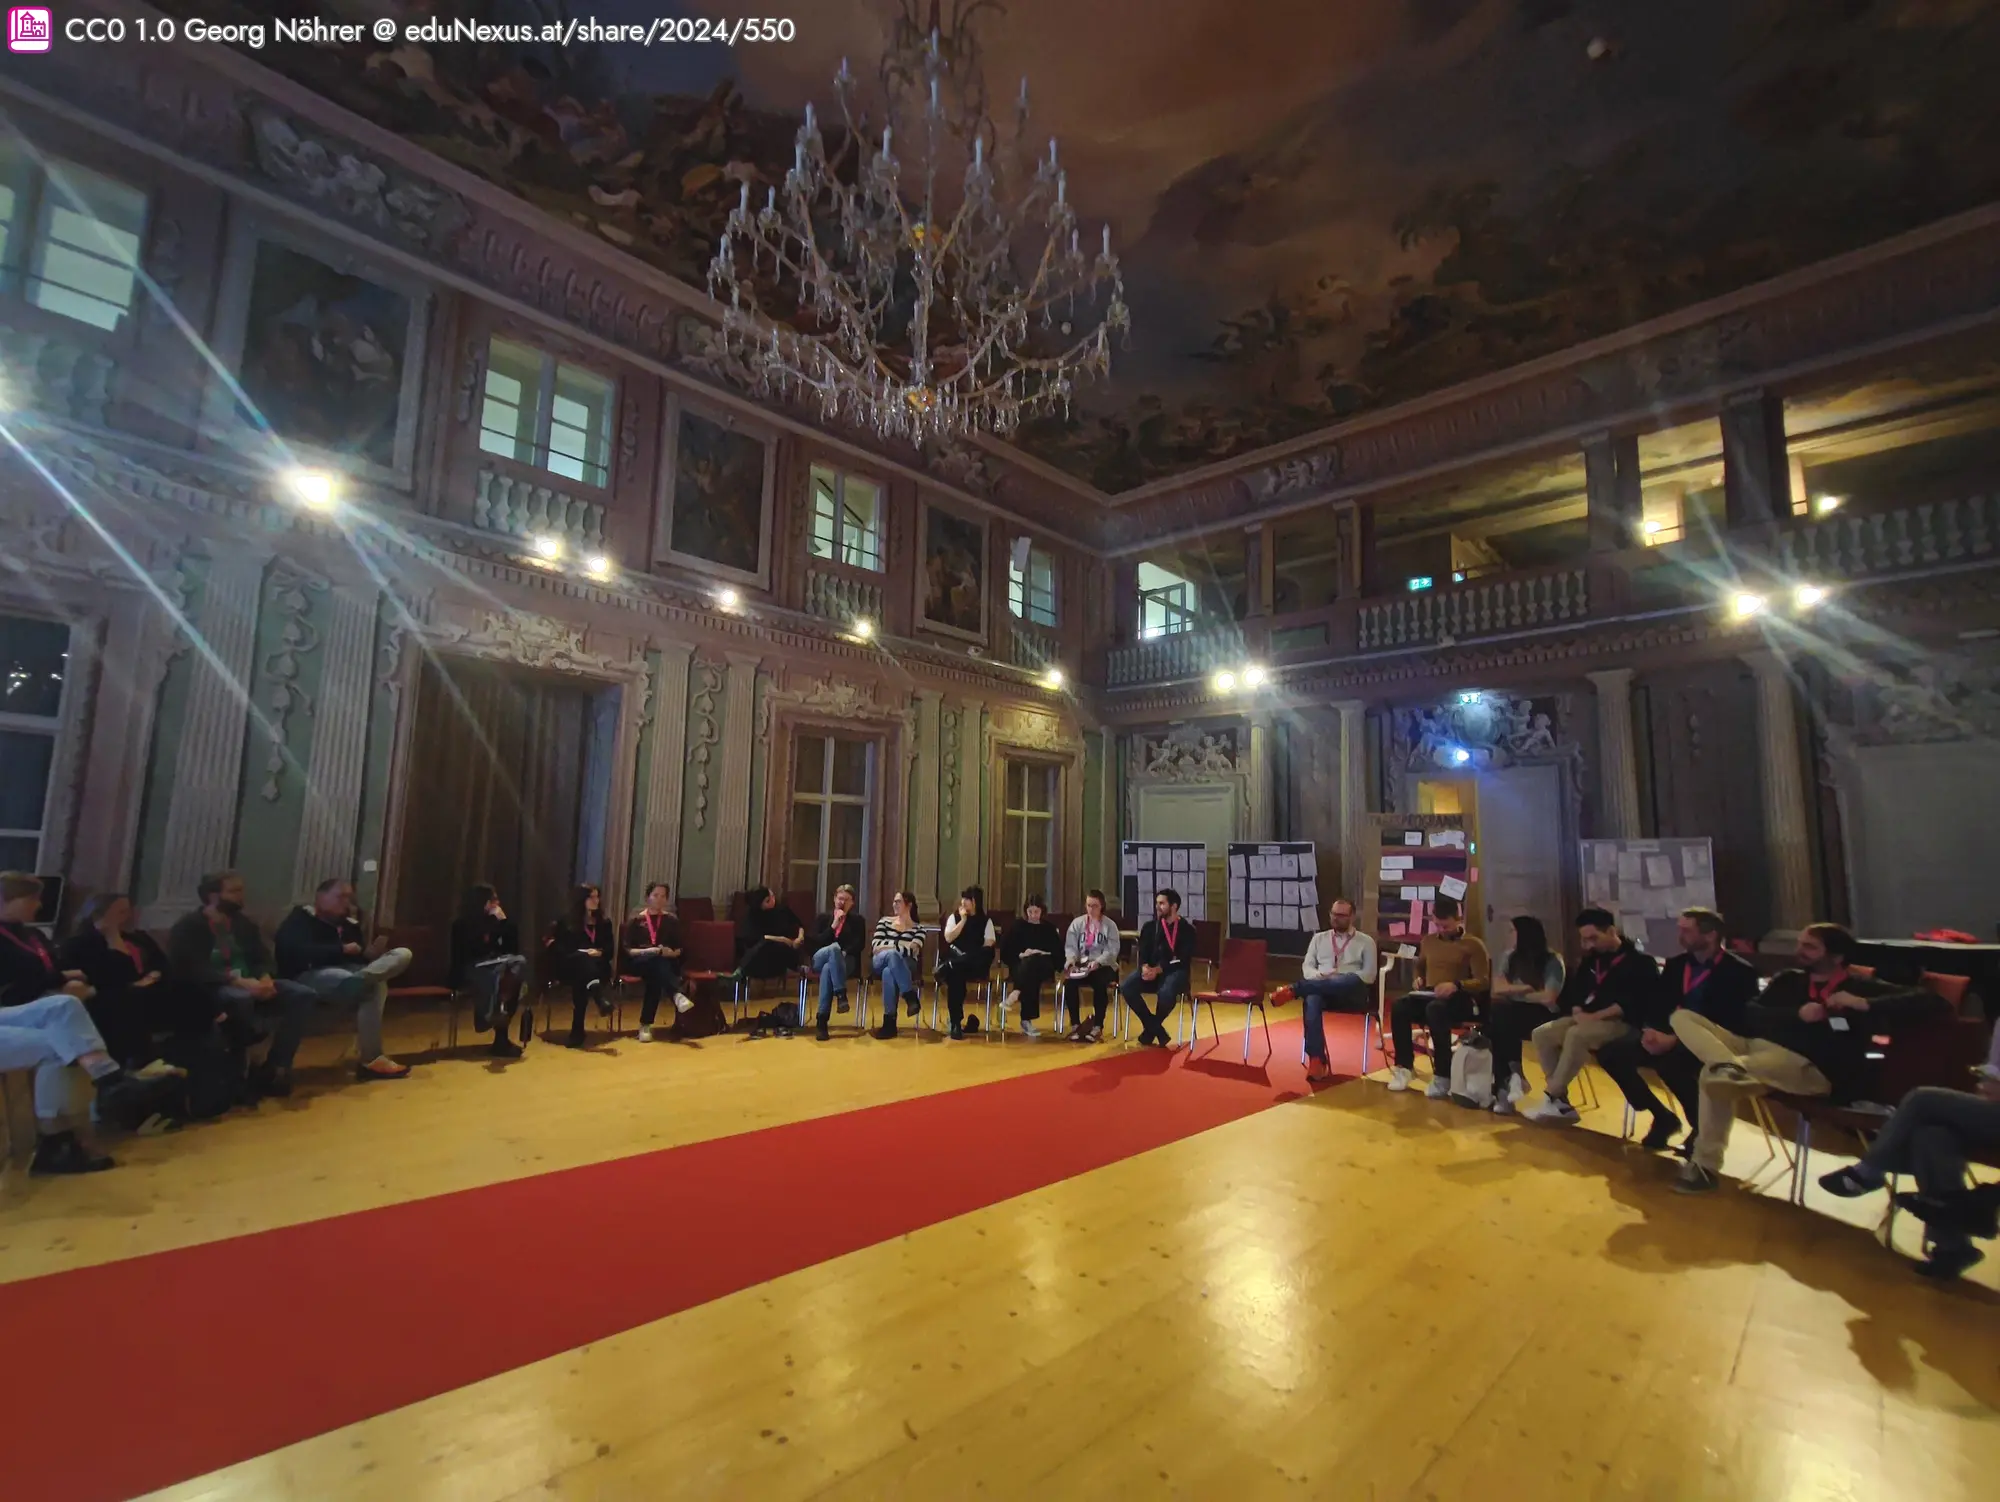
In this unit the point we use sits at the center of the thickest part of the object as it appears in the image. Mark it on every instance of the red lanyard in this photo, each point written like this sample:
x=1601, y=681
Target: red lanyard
x=652, y=929
x=1090, y=935
x=1696, y=975
x=32, y=944
x=1819, y=990
x=838, y=919
x=1340, y=943
x=1173, y=932
x=225, y=942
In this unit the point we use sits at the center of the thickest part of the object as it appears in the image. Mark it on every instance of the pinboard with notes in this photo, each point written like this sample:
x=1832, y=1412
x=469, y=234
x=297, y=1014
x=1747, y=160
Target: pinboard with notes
x=1148, y=865
x=1417, y=859
x=1274, y=893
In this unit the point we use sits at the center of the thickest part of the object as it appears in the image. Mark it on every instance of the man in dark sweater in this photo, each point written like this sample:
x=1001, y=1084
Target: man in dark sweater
x=217, y=952
x=1812, y=1033
x=1704, y=977
x=322, y=947
x=1602, y=1001
x=1166, y=949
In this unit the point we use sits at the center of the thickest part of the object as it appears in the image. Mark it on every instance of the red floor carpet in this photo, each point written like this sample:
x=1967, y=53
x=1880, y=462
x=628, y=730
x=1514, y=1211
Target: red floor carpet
x=137, y=1374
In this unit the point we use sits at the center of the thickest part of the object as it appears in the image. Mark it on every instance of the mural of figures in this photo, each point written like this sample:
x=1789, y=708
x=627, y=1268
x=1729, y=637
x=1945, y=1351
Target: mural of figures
x=952, y=587
x=323, y=355
x=720, y=517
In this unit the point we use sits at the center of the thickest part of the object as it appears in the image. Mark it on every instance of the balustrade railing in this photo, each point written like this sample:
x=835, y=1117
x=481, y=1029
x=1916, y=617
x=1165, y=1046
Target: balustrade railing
x=1887, y=542
x=1029, y=648
x=1479, y=607
x=515, y=507
x=842, y=597
x=1185, y=654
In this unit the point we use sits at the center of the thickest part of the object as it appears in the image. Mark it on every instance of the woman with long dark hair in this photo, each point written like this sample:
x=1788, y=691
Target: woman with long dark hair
x=486, y=958
x=771, y=937
x=124, y=967
x=653, y=953
x=1031, y=954
x=896, y=955
x=582, y=944
x=1526, y=984
x=969, y=942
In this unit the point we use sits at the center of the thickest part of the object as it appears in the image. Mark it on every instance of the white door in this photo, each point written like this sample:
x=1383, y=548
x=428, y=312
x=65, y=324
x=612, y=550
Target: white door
x=1192, y=811
x=1520, y=851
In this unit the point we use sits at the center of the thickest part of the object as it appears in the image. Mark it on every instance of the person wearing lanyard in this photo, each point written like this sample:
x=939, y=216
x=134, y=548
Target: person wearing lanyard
x=218, y=951
x=1166, y=948
x=653, y=953
x=28, y=968
x=1611, y=986
x=1706, y=978
x=1812, y=1032
x=1338, y=975
x=1090, y=958
x=840, y=950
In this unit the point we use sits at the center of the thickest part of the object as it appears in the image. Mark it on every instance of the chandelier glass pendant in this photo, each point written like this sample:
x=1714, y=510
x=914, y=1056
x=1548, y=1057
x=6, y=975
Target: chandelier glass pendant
x=863, y=282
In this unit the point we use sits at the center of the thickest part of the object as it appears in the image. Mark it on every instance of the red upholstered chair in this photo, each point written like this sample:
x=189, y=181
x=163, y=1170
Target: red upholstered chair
x=1242, y=979
x=695, y=909
x=1208, y=945
x=1951, y=987
x=804, y=906
x=709, y=954
x=428, y=978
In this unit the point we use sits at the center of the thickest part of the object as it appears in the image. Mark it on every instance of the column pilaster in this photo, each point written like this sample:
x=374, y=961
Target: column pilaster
x=1353, y=799
x=1618, y=782
x=660, y=854
x=1787, y=842
x=339, y=754
x=732, y=823
x=923, y=877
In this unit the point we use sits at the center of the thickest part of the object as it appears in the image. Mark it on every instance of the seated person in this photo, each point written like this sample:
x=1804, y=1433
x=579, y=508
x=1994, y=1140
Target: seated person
x=1166, y=950
x=1811, y=1033
x=28, y=967
x=1338, y=974
x=582, y=945
x=839, y=949
x=1704, y=977
x=1456, y=970
x=896, y=955
x=1527, y=985
x=486, y=960
x=1090, y=958
x=771, y=939
x=966, y=953
x=48, y=1035
x=1031, y=953
x=321, y=947
x=1930, y=1137
x=124, y=968
x=218, y=951
x=652, y=950
x=1604, y=999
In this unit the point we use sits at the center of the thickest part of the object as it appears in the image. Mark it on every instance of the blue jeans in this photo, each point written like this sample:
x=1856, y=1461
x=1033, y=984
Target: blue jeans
x=47, y=1036
x=1346, y=992
x=894, y=972
x=830, y=964
x=294, y=1003
x=1172, y=982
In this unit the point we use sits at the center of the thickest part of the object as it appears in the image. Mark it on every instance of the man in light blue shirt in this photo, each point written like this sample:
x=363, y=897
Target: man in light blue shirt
x=1339, y=975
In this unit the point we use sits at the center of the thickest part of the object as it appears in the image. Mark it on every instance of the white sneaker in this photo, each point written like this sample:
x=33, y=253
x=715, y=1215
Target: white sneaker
x=1517, y=1089
x=683, y=1003
x=1399, y=1079
x=1437, y=1089
x=645, y=1035
x=1011, y=1000
x=1552, y=1110
x=1504, y=1107
x=1029, y=1030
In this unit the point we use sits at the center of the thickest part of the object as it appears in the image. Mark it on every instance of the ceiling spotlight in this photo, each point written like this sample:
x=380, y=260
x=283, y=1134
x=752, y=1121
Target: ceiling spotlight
x=1255, y=676
x=1808, y=595
x=1825, y=503
x=313, y=489
x=597, y=566
x=862, y=627
x=1744, y=606
x=1053, y=679
x=1225, y=682
x=728, y=599
x=548, y=547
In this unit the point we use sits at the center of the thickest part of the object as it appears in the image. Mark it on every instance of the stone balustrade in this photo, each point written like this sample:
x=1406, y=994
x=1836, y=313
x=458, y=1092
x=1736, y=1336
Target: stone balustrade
x=1479, y=607
x=1163, y=659
x=841, y=597
x=1029, y=648
x=1887, y=542
x=515, y=507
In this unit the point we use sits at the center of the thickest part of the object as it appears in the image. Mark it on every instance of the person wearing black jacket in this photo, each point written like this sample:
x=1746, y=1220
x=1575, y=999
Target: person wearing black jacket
x=322, y=946
x=1811, y=1033
x=486, y=959
x=28, y=967
x=124, y=967
x=770, y=938
x=582, y=945
x=968, y=941
x=218, y=953
x=1706, y=978
x=839, y=946
x=1605, y=997
x=653, y=953
x=1166, y=950
x=1031, y=952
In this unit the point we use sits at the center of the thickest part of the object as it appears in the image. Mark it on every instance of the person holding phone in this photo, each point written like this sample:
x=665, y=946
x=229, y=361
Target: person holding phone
x=1090, y=958
x=1031, y=954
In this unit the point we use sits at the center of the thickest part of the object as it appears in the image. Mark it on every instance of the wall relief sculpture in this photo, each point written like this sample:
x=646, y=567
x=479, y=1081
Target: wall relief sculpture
x=1946, y=699
x=533, y=641
x=834, y=698
x=1188, y=756
x=1480, y=732
x=333, y=176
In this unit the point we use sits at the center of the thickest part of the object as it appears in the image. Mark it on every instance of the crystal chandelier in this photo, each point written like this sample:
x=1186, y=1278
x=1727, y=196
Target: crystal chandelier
x=859, y=283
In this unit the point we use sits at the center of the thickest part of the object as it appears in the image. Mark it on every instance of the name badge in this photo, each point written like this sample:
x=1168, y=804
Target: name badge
x=1838, y=1024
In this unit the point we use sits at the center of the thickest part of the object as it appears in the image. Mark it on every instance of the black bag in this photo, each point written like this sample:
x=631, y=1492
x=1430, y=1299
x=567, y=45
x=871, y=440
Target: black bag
x=215, y=1075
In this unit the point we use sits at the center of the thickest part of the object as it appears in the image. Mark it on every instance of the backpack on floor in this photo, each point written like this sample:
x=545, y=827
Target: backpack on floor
x=1472, y=1073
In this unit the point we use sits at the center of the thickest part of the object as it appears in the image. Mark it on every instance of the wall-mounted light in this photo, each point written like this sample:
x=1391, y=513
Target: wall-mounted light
x=1807, y=595
x=1254, y=676
x=861, y=628
x=547, y=546
x=313, y=489
x=1745, y=605
x=1053, y=680
x=1225, y=682
x=728, y=599
x=598, y=566
x=1822, y=504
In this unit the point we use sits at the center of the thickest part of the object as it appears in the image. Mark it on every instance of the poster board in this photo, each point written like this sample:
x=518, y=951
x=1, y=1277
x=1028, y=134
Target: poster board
x=1144, y=866
x=1412, y=860
x=1648, y=884
x=1274, y=893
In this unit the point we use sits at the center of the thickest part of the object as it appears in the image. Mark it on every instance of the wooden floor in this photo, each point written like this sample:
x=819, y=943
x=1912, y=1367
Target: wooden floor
x=1359, y=1296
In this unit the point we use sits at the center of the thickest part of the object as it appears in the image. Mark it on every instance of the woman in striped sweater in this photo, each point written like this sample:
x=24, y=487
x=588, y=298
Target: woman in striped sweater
x=897, y=955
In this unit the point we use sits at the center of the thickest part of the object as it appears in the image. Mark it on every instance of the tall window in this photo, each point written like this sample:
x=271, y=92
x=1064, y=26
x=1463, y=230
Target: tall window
x=543, y=412
x=1028, y=833
x=847, y=518
x=1166, y=602
x=70, y=237
x=34, y=658
x=829, y=815
x=1031, y=584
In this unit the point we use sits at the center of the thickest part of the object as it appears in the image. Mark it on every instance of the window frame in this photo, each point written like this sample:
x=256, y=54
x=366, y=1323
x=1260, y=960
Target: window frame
x=1026, y=615
x=54, y=727
x=1178, y=615
x=540, y=402
x=878, y=534
x=826, y=800
x=28, y=233
x=1016, y=824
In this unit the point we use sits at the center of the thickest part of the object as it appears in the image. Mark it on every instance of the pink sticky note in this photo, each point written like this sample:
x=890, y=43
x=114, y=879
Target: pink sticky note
x=1473, y=874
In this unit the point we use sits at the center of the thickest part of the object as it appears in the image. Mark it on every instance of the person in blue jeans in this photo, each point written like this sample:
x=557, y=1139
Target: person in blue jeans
x=1166, y=949
x=897, y=956
x=840, y=946
x=1338, y=975
x=48, y=1035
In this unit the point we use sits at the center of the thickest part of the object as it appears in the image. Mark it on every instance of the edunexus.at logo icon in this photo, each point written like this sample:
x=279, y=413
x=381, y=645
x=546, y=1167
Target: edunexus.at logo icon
x=30, y=28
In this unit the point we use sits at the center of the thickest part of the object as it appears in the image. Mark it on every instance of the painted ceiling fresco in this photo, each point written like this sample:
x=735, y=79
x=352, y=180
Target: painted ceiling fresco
x=1323, y=208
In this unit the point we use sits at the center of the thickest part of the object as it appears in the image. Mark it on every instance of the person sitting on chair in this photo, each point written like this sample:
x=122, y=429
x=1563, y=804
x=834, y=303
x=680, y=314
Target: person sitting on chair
x=653, y=953
x=1527, y=984
x=771, y=936
x=1090, y=958
x=28, y=967
x=1704, y=977
x=1166, y=950
x=1338, y=974
x=48, y=1035
x=322, y=948
x=1606, y=997
x=969, y=942
x=839, y=950
x=1456, y=970
x=1812, y=1032
x=1031, y=953
x=219, y=951
x=581, y=944
x=896, y=955
x=124, y=968
x=486, y=959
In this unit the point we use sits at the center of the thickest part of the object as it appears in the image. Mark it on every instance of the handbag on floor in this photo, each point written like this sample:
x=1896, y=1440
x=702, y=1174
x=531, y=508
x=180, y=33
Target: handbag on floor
x=1472, y=1072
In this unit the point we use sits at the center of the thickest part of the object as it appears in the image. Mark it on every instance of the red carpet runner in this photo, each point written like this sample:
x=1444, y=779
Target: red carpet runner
x=133, y=1375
